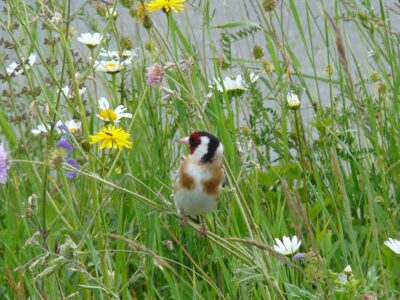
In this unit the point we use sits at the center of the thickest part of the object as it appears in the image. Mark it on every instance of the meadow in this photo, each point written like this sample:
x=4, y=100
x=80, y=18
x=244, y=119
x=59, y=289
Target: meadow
x=304, y=96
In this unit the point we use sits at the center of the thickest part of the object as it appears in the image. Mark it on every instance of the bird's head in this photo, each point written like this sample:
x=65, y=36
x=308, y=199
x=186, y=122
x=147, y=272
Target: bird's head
x=204, y=147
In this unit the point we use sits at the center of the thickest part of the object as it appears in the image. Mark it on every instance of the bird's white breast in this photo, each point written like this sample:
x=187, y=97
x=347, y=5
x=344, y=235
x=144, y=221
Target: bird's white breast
x=195, y=202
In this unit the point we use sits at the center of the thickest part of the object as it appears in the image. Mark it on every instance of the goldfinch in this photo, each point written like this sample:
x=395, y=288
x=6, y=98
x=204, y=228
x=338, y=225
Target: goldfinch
x=200, y=177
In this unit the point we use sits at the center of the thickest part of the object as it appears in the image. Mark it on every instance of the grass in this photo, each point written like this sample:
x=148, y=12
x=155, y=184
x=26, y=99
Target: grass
x=327, y=172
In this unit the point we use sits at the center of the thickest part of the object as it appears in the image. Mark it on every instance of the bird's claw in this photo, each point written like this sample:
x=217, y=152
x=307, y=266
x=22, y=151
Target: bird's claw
x=183, y=219
x=203, y=231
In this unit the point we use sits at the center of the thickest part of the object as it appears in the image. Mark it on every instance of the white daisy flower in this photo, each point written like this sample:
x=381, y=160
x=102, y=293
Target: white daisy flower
x=90, y=39
x=17, y=67
x=71, y=126
x=393, y=244
x=111, y=115
x=115, y=62
x=293, y=101
x=287, y=246
x=109, y=66
x=68, y=91
x=235, y=86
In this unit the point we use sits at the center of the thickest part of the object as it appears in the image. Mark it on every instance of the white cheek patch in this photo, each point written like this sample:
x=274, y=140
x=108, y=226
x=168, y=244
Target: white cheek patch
x=220, y=150
x=202, y=149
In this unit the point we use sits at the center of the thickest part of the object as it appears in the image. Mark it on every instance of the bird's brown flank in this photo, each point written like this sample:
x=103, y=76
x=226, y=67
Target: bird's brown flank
x=185, y=180
x=210, y=186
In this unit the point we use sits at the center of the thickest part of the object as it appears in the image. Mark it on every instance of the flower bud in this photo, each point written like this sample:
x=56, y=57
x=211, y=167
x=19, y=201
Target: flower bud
x=269, y=5
x=147, y=22
x=348, y=271
x=149, y=46
x=258, y=52
x=101, y=10
x=125, y=42
x=293, y=101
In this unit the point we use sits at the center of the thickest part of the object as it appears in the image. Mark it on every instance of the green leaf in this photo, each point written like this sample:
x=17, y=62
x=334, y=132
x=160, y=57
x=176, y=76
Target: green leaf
x=236, y=24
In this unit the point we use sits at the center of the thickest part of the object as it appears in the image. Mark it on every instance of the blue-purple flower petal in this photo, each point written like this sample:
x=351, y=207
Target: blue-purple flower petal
x=71, y=175
x=299, y=257
x=63, y=143
x=3, y=164
x=74, y=163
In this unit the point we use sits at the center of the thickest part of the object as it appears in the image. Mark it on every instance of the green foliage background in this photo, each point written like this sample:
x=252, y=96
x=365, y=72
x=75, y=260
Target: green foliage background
x=328, y=173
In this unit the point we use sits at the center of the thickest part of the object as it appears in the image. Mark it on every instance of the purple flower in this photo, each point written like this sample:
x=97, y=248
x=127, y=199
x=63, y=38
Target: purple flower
x=74, y=163
x=299, y=257
x=3, y=164
x=155, y=74
x=63, y=143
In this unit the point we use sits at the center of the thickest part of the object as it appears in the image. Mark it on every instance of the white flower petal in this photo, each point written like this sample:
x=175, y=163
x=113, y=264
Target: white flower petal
x=393, y=244
x=90, y=39
x=288, y=244
x=120, y=109
x=72, y=124
x=32, y=59
x=254, y=77
x=42, y=128
x=103, y=103
x=125, y=115
x=36, y=131
x=279, y=250
x=280, y=246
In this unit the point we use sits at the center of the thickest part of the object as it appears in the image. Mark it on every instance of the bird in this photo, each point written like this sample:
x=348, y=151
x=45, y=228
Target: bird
x=200, y=177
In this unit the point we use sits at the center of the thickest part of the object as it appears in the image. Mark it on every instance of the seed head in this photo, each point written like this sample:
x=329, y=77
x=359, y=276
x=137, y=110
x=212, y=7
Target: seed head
x=374, y=76
x=56, y=158
x=258, y=52
x=269, y=5
x=267, y=66
x=125, y=42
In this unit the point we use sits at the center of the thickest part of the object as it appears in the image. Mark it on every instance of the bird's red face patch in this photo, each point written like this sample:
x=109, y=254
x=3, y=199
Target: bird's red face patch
x=194, y=141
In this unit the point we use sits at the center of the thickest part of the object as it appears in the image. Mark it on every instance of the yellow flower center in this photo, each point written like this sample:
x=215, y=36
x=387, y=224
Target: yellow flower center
x=108, y=115
x=110, y=65
x=73, y=130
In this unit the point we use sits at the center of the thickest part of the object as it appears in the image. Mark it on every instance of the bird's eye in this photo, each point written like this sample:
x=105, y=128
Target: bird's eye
x=193, y=143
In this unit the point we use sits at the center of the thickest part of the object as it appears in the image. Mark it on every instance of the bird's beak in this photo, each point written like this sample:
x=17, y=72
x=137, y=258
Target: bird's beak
x=184, y=141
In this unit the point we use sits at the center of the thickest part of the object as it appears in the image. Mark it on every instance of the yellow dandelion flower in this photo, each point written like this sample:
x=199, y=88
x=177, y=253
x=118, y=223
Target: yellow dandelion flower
x=165, y=5
x=112, y=137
